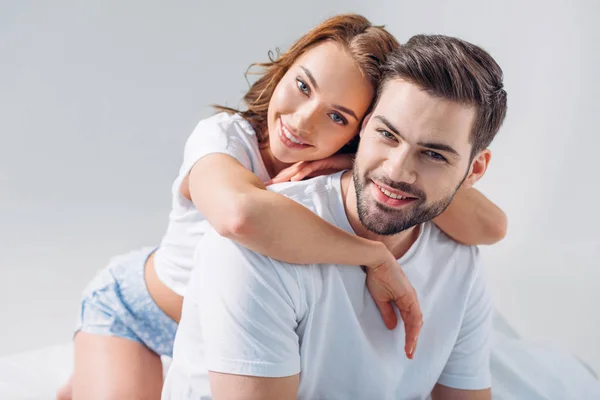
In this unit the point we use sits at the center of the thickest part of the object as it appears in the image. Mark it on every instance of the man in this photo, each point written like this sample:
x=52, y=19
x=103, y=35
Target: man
x=257, y=328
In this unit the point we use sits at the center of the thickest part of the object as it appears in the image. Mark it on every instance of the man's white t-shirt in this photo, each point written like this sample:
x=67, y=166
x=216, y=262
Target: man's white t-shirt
x=222, y=133
x=247, y=314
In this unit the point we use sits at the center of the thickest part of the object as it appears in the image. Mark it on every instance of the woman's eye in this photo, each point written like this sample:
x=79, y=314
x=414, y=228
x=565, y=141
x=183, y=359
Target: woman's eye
x=337, y=118
x=435, y=156
x=302, y=86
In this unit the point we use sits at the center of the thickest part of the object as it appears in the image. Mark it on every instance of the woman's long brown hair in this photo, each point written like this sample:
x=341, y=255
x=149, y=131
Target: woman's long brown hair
x=367, y=44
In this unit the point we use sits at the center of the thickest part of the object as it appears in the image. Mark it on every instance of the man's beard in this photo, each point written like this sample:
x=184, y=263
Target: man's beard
x=390, y=221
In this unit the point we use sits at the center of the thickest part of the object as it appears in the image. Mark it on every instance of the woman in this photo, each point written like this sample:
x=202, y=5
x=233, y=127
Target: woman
x=302, y=118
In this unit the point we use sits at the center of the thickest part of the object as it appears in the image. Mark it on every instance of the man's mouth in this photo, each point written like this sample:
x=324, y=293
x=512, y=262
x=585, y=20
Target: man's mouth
x=392, y=197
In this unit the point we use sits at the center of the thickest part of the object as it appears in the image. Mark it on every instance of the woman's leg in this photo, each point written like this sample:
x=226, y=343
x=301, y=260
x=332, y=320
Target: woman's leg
x=110, y=367
x=121, y=334
x=65, y=392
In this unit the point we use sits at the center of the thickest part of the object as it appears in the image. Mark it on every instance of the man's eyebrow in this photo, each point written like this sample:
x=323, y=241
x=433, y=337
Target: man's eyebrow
x=316, y=86
x=433, y=146
x=441, y=147
x=387, y=123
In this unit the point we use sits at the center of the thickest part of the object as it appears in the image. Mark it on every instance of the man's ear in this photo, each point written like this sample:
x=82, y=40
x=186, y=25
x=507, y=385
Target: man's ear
x=478, y=167
x=365, y=122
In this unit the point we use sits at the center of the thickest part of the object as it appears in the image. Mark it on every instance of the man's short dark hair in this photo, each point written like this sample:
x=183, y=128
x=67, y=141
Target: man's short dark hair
x=455, y=70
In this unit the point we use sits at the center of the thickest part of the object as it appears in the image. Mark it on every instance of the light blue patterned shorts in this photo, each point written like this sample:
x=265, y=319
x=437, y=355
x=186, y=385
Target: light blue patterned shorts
x=117, y=303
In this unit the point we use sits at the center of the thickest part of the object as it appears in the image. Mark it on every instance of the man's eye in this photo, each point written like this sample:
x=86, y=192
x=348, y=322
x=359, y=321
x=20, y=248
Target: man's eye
x=435, y=156
x=386, y=134
x=302, y=86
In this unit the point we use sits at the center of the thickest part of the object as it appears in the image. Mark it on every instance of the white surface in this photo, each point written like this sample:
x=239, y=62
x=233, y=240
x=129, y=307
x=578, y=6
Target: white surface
x=35, y=374
x=97, y=98
x=520, y=370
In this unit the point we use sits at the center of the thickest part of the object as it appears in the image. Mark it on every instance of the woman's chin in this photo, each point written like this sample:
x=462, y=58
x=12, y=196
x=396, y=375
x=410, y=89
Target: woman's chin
x=284, y=154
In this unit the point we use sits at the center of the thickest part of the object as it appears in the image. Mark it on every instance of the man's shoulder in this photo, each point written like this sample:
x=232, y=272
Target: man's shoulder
x=314, y=193
x=214, y=245
x=215, y=252
x=440, y=239
x=453, y=271
x=448, y=253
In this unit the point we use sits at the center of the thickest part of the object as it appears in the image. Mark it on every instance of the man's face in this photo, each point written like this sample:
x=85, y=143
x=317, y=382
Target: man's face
x=414, y=154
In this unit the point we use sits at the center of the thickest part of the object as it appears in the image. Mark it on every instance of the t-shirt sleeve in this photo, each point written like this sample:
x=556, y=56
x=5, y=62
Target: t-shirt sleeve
x=213, y=135
x=249, y=308
x=468, y=367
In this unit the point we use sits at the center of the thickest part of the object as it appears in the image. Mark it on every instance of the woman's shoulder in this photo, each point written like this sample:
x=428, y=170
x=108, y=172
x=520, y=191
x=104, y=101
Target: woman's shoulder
x=228, y=124
x=224, y=133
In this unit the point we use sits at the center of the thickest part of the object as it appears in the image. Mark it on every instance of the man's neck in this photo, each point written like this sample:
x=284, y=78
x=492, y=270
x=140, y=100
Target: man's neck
x=398, y=244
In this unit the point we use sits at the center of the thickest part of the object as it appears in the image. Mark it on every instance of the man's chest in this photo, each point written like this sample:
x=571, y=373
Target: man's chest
x=347, y=352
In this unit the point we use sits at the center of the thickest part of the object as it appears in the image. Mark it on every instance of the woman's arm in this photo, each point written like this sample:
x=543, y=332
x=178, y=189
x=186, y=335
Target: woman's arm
x=472, y=219
x=236, y=203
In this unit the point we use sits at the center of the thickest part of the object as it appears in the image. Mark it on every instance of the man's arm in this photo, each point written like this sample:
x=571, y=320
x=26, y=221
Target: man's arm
x=441, y=392
x=243, y=387
x=467, y=370
x=249, y=307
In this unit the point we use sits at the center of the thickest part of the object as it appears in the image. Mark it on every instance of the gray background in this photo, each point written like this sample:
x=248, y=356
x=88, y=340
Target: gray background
x=97, y=99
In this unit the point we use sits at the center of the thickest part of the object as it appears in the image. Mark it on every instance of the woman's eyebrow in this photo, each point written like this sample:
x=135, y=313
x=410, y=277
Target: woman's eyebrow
x=310, y=76
x=346, y=110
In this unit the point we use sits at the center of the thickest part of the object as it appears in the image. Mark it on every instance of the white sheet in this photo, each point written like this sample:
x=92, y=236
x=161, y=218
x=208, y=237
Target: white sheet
x=520, y=370
x=526, y=370
x=36, y=374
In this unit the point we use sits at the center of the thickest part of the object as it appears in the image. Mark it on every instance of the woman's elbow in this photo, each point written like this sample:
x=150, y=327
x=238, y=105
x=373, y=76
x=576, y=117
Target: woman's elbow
x=234, y=219
x=497, y=228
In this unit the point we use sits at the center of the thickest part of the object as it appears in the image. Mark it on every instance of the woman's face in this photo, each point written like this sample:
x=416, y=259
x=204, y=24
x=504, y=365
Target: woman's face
x=317, y=106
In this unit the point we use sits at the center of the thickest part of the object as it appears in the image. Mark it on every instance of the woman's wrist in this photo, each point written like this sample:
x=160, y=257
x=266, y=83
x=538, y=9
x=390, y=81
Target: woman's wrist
x=374, y=254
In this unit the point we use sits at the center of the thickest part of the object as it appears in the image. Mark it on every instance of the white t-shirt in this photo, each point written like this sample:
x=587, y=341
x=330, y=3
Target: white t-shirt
x=221, y=133
x=248, y=314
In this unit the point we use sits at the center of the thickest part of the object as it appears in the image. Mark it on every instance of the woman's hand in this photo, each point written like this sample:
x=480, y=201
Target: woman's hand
x=386, y=281
x=310, y=169
x=388, y=285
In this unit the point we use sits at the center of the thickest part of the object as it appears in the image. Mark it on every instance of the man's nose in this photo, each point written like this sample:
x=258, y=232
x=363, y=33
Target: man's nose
x=400, y=165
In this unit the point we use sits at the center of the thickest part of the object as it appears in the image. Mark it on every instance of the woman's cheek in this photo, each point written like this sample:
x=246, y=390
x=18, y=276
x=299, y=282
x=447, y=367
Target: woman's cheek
x=288, y=97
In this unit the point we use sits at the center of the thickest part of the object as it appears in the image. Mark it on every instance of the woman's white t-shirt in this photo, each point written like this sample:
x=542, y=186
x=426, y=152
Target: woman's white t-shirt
x=222, y=133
